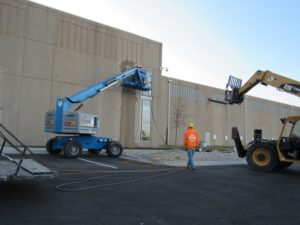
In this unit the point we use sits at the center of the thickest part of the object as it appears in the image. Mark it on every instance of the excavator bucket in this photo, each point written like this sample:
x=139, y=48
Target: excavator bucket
x=140, y=81
x=231, y=92
x=232, y=88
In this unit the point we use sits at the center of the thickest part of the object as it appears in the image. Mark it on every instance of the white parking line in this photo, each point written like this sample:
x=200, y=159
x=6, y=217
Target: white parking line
x=100, y=164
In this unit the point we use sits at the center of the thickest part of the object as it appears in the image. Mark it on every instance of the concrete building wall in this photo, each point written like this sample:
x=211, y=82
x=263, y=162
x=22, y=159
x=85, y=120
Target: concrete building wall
x=46, y=54
x=189, y=103
x=1, y=97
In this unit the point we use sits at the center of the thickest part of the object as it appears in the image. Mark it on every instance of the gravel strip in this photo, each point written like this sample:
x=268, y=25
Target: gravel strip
x=178, y=157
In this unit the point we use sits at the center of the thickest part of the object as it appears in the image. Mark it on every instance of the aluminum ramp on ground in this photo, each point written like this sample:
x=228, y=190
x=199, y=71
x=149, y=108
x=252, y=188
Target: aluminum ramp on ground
x=30, y=170
x=22, y=166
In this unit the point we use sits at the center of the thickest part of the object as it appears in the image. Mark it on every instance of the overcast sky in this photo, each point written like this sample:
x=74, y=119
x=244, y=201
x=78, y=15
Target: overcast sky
x=205, y=41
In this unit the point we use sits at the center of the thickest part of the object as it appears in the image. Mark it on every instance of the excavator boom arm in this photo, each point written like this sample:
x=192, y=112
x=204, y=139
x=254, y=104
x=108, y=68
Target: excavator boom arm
x=275, y=80
x=235, y=91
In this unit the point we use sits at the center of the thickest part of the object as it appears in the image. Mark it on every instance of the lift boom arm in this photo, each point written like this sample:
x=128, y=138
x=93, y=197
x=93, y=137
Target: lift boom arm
x=235, y=92
x=139, y=81
x=65, y=120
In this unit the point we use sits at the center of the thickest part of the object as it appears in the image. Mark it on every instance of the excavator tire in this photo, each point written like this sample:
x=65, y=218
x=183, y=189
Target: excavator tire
x=50, y=149
x=262, y=157
x=114, y=149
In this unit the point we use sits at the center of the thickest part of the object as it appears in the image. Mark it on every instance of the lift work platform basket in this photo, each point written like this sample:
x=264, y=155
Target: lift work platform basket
x=17, y=162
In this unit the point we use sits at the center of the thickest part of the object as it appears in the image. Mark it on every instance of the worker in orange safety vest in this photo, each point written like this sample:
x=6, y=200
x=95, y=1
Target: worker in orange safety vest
x=191, y=143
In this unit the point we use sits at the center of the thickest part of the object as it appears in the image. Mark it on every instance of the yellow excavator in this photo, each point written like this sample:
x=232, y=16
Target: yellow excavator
x=261, y=154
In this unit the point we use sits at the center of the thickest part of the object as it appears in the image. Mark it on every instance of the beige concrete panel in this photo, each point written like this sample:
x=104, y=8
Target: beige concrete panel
x=218, y=124
x=107, y=45
x=113, y=47
x=12, y=18
x=119, y=50
x=139, y=51
x=264, y=118
x=61, y=90
x=33, y=106
x=4, y=19
x=128, y=133
x=1, y=94
x=160, y=110
x=134, y=51
x=124, y=48
x=151, y=54
x=38, y=60
x=84, y=39
x=71, y=36
x=101, y=44
x=11, y=54
x=65, y=35
x=100, y=68
x=1, y=87
x=111, y=114
x=21, y=22
x=180, y=114
x=77, y=38
x=201, y=121
x=11, y=101
x=129, y=50
x=41, y=24
x=156, y=80
x=92, y=41
x=12, y=22
x=70, y=66
x=95, y=106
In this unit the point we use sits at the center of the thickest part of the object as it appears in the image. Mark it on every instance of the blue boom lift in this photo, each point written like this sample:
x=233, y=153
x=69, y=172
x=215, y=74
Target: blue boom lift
x=79, y=127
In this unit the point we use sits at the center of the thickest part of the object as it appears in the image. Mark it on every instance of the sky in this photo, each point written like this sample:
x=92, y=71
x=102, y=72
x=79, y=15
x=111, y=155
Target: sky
x=205, y=41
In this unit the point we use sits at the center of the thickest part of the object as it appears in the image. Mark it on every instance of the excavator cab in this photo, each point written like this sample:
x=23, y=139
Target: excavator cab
x=289, y=140
x=141, y=80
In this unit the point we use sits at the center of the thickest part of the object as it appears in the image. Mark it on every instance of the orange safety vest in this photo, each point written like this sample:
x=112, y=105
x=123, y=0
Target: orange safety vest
x=191, y=138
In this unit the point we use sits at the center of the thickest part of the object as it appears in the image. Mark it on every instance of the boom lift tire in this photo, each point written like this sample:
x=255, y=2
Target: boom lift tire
x=94, y=151
x=262, y=157
x=114, y=149
x=50, y=148
x=72, y=149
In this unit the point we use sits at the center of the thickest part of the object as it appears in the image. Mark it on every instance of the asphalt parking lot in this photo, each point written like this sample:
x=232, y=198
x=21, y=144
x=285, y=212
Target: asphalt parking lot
x=101, y=190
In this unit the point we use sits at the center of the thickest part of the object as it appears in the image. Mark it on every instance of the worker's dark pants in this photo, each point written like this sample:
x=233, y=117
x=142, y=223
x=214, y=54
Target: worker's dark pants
x=190, y=153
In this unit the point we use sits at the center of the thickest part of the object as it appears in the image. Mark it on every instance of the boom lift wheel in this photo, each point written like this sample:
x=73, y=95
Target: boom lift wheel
x=114, y=149
x=72, y=149
x=262, y=157
x=50, y=149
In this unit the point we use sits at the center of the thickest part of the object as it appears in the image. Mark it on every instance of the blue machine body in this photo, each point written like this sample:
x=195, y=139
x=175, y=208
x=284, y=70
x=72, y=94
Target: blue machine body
x=88, y=142
x=82, y=126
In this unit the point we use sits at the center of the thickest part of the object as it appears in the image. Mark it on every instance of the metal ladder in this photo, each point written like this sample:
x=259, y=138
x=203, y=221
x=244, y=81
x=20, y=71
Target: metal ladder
x=8, y=138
